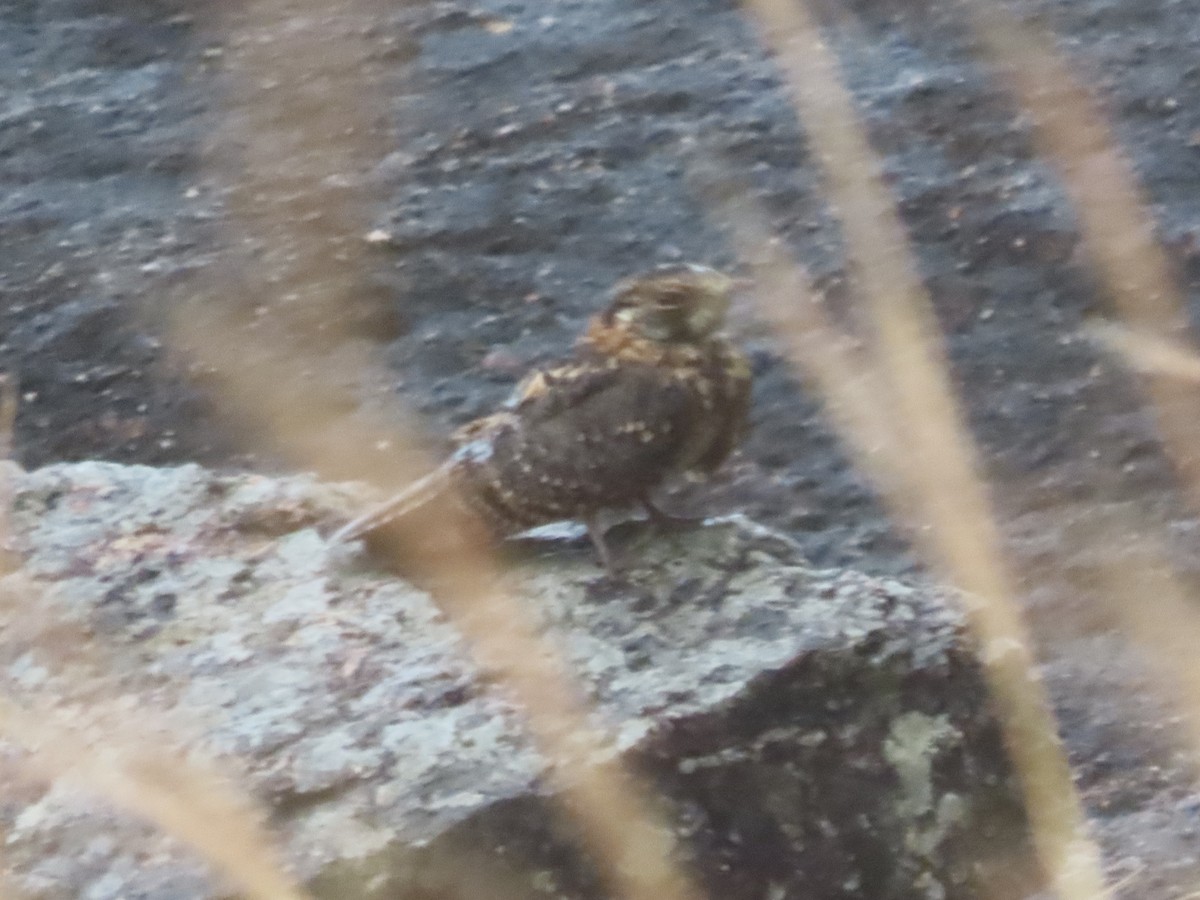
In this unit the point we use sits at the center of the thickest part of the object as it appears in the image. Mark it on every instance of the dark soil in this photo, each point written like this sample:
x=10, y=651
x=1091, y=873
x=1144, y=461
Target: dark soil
x=520, y=157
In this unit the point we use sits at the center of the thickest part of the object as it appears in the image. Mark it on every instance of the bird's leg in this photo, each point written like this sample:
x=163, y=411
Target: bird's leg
x=666, y=519
x=596, y=533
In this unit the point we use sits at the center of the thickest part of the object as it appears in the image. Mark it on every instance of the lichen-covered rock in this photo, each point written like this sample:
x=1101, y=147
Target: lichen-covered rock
x=815, y=733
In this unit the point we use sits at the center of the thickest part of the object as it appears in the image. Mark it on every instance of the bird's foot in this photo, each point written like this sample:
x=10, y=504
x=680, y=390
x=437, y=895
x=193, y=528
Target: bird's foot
x=603, y=551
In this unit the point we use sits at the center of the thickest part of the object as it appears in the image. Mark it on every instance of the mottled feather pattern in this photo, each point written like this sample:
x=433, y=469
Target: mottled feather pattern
x=651, y=391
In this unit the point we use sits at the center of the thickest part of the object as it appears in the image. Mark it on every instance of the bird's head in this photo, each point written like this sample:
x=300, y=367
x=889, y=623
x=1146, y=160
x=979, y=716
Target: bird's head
x=678, y=304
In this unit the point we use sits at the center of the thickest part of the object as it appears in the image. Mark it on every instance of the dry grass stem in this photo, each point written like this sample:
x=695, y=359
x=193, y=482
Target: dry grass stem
x=846, y=378
x=1117, y=231
x=192, y=806
x=627, y=836
x=304, y=419
x=1147, y=353
x=1138, y=586
x=609, y=805
x=961, y=539
x=1159, y=613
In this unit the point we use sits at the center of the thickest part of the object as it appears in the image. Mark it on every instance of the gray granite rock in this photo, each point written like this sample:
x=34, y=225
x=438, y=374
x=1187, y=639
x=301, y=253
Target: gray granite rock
x=814, y=733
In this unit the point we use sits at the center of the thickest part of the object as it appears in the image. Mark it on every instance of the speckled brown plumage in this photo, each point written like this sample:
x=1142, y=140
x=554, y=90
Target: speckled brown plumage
x=652, y=390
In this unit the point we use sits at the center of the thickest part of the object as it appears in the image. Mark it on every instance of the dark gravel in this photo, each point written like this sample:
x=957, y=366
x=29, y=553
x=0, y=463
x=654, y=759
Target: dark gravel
x=524, y=156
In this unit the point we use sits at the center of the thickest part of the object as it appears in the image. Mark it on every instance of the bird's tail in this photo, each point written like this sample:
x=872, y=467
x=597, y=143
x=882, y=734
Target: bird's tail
x=418, y=494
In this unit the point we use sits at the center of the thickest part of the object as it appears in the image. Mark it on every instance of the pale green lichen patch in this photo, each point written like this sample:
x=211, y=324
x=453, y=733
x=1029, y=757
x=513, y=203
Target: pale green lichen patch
x=912, y=747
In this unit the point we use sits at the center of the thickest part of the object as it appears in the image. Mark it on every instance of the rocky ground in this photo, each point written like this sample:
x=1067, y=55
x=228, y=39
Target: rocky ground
x=815, y=733
x=520, y=157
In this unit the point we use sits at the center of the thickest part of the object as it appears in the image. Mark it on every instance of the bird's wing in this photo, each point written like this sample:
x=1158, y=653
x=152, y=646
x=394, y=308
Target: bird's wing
x=546, y=393
x=606, y=433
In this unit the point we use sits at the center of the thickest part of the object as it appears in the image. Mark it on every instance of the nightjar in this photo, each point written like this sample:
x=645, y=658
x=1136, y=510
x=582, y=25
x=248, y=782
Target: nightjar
x=651, y=390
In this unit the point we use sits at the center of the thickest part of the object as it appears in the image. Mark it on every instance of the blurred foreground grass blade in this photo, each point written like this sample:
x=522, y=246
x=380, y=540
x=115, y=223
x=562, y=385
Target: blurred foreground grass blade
x=193, y=806
x=1118, y=232
x=1147, y=596
x=322, y=139
x=1139, y=586
x=955, y=528
x=612, y=810
x=1147, y=353
x=841, y=374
